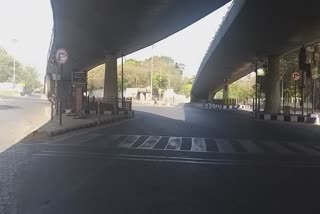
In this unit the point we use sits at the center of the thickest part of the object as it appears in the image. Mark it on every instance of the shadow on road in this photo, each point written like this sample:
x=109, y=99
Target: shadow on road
x=34, y=179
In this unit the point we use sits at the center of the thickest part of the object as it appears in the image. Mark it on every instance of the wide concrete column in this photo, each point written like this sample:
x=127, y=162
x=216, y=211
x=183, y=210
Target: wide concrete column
x=225, y=93
x=272, y=85
x=210, y=96
x=111, y=77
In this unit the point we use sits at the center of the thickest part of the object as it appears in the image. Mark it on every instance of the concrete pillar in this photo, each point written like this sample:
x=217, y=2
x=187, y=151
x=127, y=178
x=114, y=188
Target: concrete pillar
x=225, y=94
x=111, y=78
x=210, y=96
x=272, y=85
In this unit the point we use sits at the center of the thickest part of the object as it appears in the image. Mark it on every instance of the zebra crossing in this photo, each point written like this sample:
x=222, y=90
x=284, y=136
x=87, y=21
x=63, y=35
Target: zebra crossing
x=215, y=145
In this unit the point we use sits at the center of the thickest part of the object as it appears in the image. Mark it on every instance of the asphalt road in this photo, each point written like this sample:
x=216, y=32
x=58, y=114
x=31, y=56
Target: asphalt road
x=168, y=160
x=19, y=116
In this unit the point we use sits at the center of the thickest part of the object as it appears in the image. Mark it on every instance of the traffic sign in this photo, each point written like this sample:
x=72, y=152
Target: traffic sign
x=296, y=76
x=61, y=56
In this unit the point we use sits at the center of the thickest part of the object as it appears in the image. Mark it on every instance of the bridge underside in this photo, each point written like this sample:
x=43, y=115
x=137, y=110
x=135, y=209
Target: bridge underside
x=255, y=29
x=89, y=30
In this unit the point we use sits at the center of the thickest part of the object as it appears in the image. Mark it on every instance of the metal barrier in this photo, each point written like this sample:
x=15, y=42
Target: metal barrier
x=54, y=103
x=108, y=106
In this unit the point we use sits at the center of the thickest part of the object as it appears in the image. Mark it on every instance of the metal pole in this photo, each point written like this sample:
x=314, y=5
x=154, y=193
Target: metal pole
x=122, y=82
x=60, y=96
x=259, y=105
x=282, y=92
x=307, y=98
x=115, y=109
x=256, y=98
x=302, y=94
x=152, y=73
x=99, y=120
x=313, y=94
x=51, y=111
x=60, y=112
x=295, y=96
x=56, y=90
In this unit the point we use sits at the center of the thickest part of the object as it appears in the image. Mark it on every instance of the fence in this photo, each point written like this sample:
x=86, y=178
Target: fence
x=107, y=106
x=231, y=102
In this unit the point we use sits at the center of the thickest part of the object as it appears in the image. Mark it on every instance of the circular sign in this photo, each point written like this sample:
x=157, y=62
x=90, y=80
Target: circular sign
x=296, y=76
x=61, y=56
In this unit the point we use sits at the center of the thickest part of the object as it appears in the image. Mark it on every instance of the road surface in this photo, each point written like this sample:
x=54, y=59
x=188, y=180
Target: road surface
x=168, y=160
x=19, y=116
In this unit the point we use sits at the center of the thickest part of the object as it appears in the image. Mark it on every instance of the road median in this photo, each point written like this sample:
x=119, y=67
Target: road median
x=69, y=124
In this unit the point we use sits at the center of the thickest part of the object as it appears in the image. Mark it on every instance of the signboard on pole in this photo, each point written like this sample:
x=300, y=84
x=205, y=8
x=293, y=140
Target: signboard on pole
x=61, y=56
x=79, y=78
x=296, y=76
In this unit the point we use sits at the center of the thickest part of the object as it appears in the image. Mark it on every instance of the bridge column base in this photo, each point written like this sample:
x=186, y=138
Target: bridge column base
x=111, y=78
x=272, y=84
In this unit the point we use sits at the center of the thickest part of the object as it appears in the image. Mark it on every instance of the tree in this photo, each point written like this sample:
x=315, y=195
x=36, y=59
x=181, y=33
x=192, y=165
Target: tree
x=29, y=77
x=24, y=74
x=137, y=74
x=243, y=89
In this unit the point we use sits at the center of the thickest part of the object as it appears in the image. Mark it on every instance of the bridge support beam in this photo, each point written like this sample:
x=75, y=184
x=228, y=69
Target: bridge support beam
x=111, y=78
x=272, y=85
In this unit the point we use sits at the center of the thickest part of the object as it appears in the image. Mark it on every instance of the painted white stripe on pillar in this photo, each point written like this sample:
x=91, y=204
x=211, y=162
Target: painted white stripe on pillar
x=278, y=148
x=306, y=150
x=250, y=146
x=129, y=141
x=198, y=145
x=149, y=143
x=174, y=143
x=224, y=146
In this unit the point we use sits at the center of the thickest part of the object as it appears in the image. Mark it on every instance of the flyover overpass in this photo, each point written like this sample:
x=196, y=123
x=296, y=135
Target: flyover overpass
x=99, y=31
x=256, y=29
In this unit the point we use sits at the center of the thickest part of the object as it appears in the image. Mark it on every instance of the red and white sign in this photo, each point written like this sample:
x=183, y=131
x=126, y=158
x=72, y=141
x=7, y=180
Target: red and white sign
x=61, y=56
x=296, y=76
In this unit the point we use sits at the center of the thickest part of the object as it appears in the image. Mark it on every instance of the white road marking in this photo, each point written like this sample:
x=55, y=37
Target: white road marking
x=250, y=146
x=129, y=141
x=224, y=146
x=174, y=143
x=149, y=143
x=307, y=150
x=278, y=148
x=198, y=145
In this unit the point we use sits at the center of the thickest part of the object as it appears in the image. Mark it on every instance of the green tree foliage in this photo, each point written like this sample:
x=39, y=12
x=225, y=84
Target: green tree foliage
x=24, y=74
x=137, y=74
x=242, y=89
x=95, y=78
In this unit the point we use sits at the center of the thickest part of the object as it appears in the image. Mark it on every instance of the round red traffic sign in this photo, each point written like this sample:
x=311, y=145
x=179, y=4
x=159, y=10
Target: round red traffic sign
x=61, y=56
x=296, y=76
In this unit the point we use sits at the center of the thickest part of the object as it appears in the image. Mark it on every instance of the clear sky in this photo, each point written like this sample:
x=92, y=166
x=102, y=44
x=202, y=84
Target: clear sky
x=30, y=23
